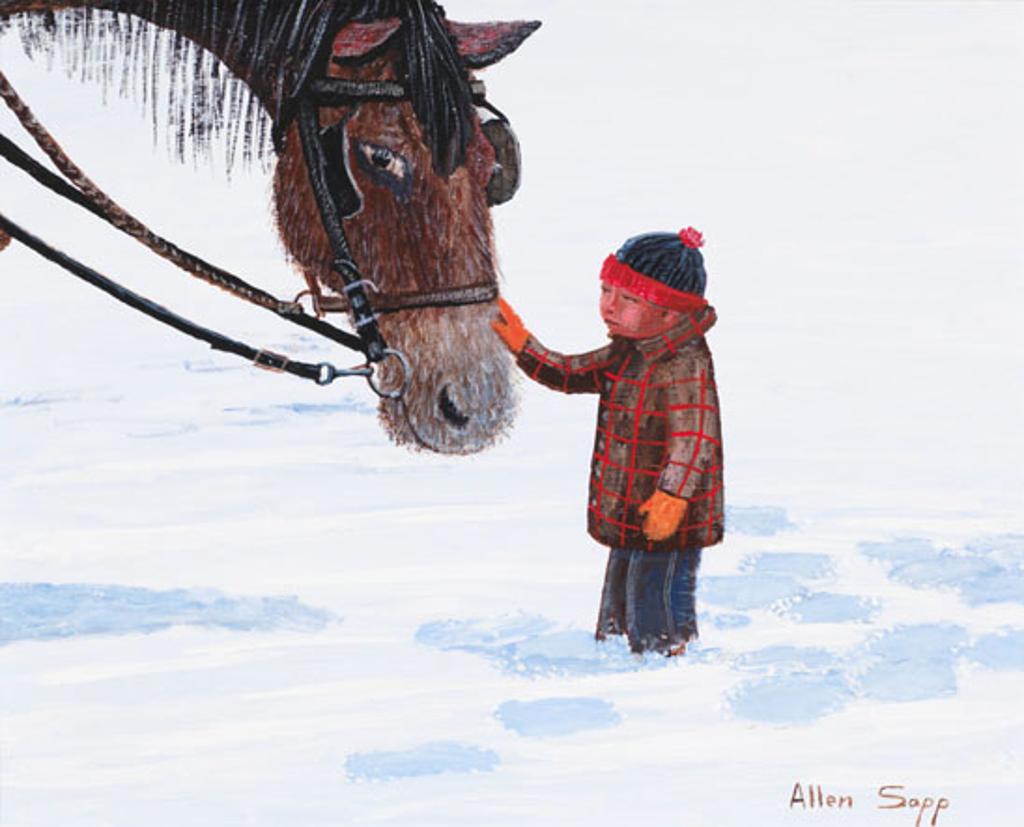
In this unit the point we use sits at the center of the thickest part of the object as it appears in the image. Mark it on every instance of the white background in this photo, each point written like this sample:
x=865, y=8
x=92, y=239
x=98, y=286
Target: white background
x=856, y=170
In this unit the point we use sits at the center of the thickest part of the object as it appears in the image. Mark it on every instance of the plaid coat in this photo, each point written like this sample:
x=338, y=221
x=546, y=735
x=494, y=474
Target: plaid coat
x=657, y=427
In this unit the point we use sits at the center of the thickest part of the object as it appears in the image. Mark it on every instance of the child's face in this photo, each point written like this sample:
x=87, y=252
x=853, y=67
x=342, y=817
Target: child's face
x=632, y=317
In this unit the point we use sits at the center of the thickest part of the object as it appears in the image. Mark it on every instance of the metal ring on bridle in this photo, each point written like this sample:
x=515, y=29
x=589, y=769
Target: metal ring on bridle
x=406, y=371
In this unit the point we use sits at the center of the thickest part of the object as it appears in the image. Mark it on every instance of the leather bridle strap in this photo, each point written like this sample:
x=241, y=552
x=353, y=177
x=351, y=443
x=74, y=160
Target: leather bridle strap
x=395, y=302
x=339, y=92
x=451, y=297
x=330, y=216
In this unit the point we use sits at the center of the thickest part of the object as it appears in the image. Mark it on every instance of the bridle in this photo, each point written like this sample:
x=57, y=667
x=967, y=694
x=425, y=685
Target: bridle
x=325, y=154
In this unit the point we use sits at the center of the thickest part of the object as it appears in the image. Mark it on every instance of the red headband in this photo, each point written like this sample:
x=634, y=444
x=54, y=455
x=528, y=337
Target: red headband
x=617, y=274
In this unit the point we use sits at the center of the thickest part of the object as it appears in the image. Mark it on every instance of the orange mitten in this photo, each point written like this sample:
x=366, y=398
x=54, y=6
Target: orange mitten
x=4, y=240
x=664, y=514
x=510, y=327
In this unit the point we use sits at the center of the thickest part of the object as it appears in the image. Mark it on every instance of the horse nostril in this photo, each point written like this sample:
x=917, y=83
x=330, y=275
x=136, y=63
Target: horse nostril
x=450, y=410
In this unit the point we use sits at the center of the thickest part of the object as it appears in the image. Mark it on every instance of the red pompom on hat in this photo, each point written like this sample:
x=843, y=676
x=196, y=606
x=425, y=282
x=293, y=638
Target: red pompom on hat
x=691, y=237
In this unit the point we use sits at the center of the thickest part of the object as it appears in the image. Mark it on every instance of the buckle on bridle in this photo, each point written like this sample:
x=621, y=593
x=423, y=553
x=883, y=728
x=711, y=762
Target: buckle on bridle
x=269, y=360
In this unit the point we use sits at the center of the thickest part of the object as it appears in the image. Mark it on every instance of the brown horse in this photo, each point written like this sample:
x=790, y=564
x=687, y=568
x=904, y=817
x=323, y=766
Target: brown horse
x=418, y=168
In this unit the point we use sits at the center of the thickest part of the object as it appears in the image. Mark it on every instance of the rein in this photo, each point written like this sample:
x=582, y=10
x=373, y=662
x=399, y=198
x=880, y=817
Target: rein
x=81, y=190
x=323, y=373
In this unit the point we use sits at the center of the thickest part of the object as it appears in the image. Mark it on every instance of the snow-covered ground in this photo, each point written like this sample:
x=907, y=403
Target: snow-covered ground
x=226, y=599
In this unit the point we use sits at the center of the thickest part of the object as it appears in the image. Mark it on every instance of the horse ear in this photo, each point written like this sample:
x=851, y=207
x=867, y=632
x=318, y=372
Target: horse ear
x=481, y=44
x=358, y=39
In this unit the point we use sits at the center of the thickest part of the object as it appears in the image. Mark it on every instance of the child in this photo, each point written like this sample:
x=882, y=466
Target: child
x=656, y=494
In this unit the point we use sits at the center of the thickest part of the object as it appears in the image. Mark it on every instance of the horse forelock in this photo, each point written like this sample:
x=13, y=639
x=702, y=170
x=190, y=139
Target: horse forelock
x=435, y=74
x=270, y=50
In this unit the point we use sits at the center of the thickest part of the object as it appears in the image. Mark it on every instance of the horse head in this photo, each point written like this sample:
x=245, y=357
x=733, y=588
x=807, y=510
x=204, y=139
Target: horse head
x=416, y=175
x=418, y=223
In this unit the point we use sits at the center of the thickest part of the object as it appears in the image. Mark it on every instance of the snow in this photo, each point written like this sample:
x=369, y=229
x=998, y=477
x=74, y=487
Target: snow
x=427, y=759
x=761, y=521
x=226, y=599
x=44, y=611
x=557, y=716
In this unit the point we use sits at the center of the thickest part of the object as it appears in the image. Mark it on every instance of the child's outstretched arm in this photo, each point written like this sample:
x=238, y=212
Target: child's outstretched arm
x=578, y=373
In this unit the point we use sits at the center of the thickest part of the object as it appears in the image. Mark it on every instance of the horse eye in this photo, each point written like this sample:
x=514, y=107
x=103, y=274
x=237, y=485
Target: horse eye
x=384, y=159
x=385, y=167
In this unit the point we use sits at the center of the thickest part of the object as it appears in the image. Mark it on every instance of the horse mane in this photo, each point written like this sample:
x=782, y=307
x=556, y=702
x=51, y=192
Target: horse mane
x=268, y=49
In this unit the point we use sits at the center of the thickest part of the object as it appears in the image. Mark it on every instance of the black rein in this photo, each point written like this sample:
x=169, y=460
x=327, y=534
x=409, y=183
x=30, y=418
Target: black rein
x=323, y=373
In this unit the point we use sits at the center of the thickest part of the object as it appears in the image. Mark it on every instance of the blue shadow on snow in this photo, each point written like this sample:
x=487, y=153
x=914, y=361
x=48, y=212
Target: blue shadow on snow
x=432, y=758
x=793, y=698
x=795, y=564
x=46, y=611
x=791, y=658
x=1004, y=650
x=758, y=520
x=797, y=685
x=36, y=401
x=557, y=716
x=909, y=663
x=990, y=570
x=726, y=620
x=826, y=607
x=267, y=414
x=1006, y=549
x=531, y=646
x=747, y=591
x=789, y=685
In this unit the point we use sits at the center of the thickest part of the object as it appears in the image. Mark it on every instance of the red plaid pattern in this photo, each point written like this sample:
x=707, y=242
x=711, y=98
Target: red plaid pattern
x=657, y=427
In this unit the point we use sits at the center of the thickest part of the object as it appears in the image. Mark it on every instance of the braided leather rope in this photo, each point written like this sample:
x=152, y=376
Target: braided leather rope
x=125, y=221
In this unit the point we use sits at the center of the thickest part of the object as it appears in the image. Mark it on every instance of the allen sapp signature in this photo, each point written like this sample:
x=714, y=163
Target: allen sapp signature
x=888, y=797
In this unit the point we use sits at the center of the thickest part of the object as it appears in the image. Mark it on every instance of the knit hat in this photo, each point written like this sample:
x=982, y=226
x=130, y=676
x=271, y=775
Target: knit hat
x=667, y=269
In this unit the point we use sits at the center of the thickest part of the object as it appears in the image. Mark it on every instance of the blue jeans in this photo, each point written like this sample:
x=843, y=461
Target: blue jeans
x=649, y=597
